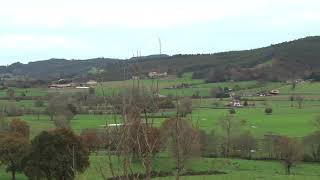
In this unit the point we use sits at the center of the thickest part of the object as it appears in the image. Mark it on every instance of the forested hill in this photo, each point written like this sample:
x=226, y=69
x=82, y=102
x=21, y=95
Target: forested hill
x=299, y=58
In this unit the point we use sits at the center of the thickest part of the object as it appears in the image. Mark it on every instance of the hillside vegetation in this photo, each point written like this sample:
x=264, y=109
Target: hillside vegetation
x=295, y=59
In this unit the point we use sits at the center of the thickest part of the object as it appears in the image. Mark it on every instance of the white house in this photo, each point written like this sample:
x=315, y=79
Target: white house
x=235, y=103
x=92, y=83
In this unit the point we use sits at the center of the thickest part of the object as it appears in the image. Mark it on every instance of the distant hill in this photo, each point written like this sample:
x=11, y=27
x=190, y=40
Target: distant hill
x=297, y=58
x=155, y=56
x=61, y=68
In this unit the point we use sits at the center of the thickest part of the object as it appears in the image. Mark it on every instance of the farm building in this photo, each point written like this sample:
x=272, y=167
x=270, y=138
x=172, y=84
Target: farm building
x=154, y=74
x=235, y=103
x=92, y=83
x=82, y=87
x=69, y=85
x=274, y=92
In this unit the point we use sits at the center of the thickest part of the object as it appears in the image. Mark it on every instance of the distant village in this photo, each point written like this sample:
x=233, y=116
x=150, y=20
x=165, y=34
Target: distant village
x=63, y=83
x=234, y=102
x=154, y=74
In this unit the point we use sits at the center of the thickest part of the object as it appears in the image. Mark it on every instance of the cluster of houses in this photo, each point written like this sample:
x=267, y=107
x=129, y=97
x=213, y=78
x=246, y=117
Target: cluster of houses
x=237, y=103
x=296, y=81
x=152, y=75
x=273, y=92
x=61, y=84
x=155, y=74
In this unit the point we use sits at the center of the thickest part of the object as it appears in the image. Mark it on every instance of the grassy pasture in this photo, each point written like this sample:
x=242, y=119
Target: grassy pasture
x=286, y=119
x=306, y=88
x=114, y=87
x=27, y=92
x=235, y=169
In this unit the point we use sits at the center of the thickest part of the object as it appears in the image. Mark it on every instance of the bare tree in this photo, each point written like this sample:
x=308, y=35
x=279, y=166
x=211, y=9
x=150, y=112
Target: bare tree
x=145, y=138
x=229, y=124
x=299, y=100
x=316, y=122
x=11, y=93
x=245, y=143
x=61, y=108
x=135, y=137
x=146, y=143
x=182, y=139
x=11, y=109
x=4, y=125
x=209, y=144
x=269, y=145
x=291, y=98
x=312, y=145
x=62, y=121
x=290, y=152
x=185, y=106
x=293, y=85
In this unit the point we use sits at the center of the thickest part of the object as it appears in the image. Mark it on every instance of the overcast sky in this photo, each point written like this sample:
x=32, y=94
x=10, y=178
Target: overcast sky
x=33, y=30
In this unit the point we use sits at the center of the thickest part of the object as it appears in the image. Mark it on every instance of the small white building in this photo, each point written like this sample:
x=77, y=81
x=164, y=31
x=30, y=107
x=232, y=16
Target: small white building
x=235, y=103
x=82, y=87
x=92, y=83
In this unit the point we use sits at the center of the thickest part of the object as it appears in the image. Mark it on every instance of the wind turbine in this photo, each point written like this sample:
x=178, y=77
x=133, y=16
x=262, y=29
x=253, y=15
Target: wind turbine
x=159, y=45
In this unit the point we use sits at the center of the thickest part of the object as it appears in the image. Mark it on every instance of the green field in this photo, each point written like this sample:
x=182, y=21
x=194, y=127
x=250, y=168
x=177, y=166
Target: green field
x=26, y=92
x=235, y=169
x=197, y=85
x=286, y=119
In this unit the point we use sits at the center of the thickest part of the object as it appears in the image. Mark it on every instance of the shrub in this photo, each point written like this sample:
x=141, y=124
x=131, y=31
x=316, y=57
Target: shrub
x=232, y=111
x=166, y=104
x=268, y=111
